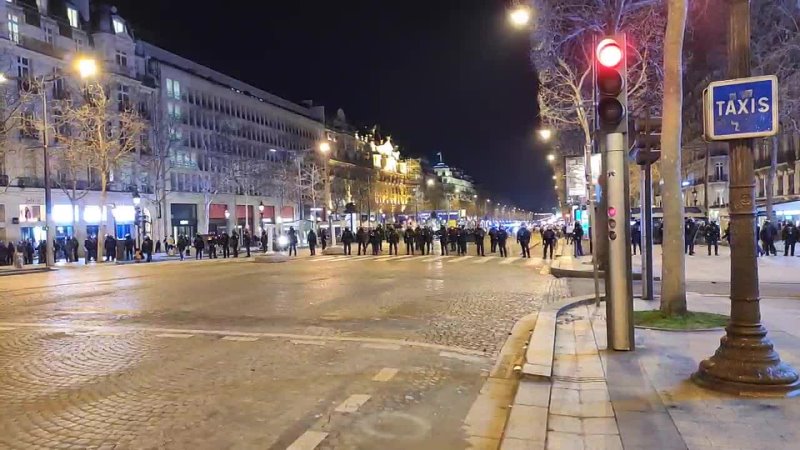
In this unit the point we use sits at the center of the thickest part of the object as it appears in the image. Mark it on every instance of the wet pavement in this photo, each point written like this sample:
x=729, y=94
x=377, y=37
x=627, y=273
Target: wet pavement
x=327, y=353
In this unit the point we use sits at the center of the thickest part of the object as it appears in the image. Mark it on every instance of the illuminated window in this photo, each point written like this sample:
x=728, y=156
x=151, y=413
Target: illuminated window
x=119, y=27
x=173, y=89
x=13, y=27
x=122, y=59
x=72, y=15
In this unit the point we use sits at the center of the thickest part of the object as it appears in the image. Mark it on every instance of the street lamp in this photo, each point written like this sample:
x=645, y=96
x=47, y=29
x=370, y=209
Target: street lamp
x=545, y=134
x=86, y=68
x=227, y=214
x=325, y=147
x=551, y=157
x=261, y=212
x=136, y=199
x=430, y=182
x=520, y=15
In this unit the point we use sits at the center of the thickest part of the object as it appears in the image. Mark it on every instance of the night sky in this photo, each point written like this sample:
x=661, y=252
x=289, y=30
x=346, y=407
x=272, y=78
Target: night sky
x=446, y=76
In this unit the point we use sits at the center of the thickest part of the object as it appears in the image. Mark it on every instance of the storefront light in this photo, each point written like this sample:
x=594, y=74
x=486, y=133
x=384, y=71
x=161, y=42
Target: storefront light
x=63, y=213
x=92, y=214
x=124, y=214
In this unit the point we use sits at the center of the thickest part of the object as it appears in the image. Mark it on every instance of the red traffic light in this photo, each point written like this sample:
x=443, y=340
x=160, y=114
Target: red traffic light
x=609, y=53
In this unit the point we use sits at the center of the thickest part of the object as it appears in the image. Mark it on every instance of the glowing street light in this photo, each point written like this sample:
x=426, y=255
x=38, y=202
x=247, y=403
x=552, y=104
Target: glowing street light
x=551, y=157
x=87, y=67
x=325, y=147
x=430, y=182
x=520, y=15
x=136, y=199
x=545, y=133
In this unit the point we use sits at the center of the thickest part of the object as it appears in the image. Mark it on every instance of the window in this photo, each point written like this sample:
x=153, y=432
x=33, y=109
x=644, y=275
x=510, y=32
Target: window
x=48, y=35
x=124, y=97
x=719, y=171
x=174, y=111
x=13, y=27
x=122, y=59
x=72, y=15
x=119, y=27
x=23, y=68
x=173, y=89
x=78, y=44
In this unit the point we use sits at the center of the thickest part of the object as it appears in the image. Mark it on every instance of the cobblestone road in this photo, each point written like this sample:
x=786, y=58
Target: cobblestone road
x=326, y=353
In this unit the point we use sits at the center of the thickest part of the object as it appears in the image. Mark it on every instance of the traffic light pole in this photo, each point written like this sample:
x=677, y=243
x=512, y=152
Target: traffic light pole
x=745, y=362
x=619, y=291
x=647, y=231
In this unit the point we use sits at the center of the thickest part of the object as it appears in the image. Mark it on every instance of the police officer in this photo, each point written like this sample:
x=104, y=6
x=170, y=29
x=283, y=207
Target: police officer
x=375, y=241
x=233, y=243
x=502, y=235
x=347, y=240
x=361, y=240
x=548, y=241
x=419, y=237
x=312, y=242
x=408, y=238
x=712, y=237
x=479, y=235
x=493, y=238
x=429, y=239
x=443, y=239
x=524, y=239
x=462, y=240
x=393, y=237
x=224, y=241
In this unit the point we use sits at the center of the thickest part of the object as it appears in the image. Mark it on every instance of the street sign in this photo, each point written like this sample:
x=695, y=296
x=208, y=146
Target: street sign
x=741, y=108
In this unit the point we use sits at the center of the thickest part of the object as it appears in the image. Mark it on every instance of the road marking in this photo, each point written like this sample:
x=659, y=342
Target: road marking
x=174, y=335
x=393, y=258
x=301, y=342
x=239, y=338
x=322, y=258
x=545, y=269
x=381, y=346
x=435, y=258
x=352, y=403
x=308, y=440
x=7, y=329
x=384, y=257
x=534, y=262
x=510, y=260
x=467, y=358
x=460, y=259
x=413, y=258
x=356, y=258
x=386, y=374
x=484, y=260
x=53, y=328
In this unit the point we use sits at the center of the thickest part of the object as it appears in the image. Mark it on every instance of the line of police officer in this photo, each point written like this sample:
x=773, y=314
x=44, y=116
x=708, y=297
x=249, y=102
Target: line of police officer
x=420, y=239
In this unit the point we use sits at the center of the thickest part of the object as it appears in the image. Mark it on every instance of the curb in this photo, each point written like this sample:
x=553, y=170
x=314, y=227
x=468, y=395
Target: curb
x=271, y=259
x=541, y=345
x=24, y=271
x=671, y=330
x=558, y=272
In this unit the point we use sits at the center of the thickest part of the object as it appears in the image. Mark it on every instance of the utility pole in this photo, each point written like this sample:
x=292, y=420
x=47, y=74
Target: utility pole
x=648, y=151
x=745, y=362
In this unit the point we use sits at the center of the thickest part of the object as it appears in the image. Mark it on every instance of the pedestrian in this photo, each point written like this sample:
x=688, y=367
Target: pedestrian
x=170, y=245
x=462, y=240
x=323, y=238
x=128, y=247
x=158, y=247
x=312, y=242
x=199, y=246
x=393, y=237
x=182, y=244
x=29, y=250
x=419, y=238
x=790, y=238
x=453, y=238
x=224, y=242
x=10, y=253
x=361, y=240
x=479, y=235
x=247, y=240
x=502, y=236
x=147, y=248
x=233, y=243
x=375, y=241
x=768, y=234
x=429, y=239
x=636, y=236
x=548, y=242
x=443, y=240
x=524, y=239
x=264, y=241
x=712, y=237
x=408, y=238
x=212, y=246
x=292, y=241
x=577, y=239
x=347, y=240
x=690, y=231
x=493, y=239
x=381, y=234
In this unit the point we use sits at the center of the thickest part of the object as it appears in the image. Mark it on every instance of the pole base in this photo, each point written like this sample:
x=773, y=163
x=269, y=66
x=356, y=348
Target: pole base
x=746, y=364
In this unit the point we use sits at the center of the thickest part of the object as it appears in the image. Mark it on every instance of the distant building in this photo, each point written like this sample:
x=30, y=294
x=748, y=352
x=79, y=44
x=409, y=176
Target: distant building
x=459, y=187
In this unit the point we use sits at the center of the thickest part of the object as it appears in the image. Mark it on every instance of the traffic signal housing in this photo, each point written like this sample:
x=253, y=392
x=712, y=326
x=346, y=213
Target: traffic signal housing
x=648, y=139
x=611, y=74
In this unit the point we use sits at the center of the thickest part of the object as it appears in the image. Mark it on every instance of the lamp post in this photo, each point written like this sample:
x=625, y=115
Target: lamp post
x=137, y=199
x=325, y=149
x=519, y=15
x=86, y=68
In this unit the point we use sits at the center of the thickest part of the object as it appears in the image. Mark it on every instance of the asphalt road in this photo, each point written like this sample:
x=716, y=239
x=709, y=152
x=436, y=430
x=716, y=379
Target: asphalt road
x=330, y=352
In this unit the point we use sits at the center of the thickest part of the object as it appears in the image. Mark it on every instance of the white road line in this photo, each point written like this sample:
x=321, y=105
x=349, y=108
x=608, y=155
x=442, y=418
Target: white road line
x=7, y=329
x=175, y=335
x=467, y=358
x=352, y=403
x=386, y=374
x=393, y=258
x=435, y=258
x=545, y=270
x=510, y=260
x=413, y=258
x=239, y=338
x=308, y=440
x=322, y=258
x=483, y=260
x=534, y=262
x=384, y=257
x=460, y=259
x=381, y=346
x=357, y=258
x=301, y=342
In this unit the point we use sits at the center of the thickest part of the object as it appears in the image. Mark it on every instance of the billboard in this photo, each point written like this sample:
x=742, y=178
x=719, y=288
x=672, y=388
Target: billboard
x=576, y=177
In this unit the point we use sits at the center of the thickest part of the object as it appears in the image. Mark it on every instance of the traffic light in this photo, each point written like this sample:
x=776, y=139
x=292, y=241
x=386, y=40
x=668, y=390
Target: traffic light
x=648, y=139
x=611, y=73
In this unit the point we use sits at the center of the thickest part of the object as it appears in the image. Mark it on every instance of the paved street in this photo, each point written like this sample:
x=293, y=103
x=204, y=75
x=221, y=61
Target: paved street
x=371, y=352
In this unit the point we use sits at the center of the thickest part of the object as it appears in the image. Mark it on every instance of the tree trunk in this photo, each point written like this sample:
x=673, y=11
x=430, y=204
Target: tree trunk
x=770, y=184
x=673, y=286
x=101, y=234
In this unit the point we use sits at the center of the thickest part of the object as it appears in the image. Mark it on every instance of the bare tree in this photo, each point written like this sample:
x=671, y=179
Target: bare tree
x=214, y=175
x=283, y=182
x=106, y=133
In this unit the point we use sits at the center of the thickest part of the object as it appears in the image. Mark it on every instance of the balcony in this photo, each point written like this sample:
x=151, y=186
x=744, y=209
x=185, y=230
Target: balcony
x=29, y=182
x=718, y=178
x=42, y=47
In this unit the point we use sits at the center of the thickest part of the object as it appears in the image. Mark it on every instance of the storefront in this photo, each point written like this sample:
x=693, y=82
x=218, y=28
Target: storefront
x=31, y=222
x=184, y=219
x=217, y=222
x=124, y=218
x=245, y=217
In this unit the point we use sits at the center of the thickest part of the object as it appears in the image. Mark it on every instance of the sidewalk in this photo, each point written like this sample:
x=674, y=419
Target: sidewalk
x=700, y=267
x=598, y=399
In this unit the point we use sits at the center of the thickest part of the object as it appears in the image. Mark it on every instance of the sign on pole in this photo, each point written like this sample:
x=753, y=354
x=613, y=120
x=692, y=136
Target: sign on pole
x=576, y=177
x=741, y=108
